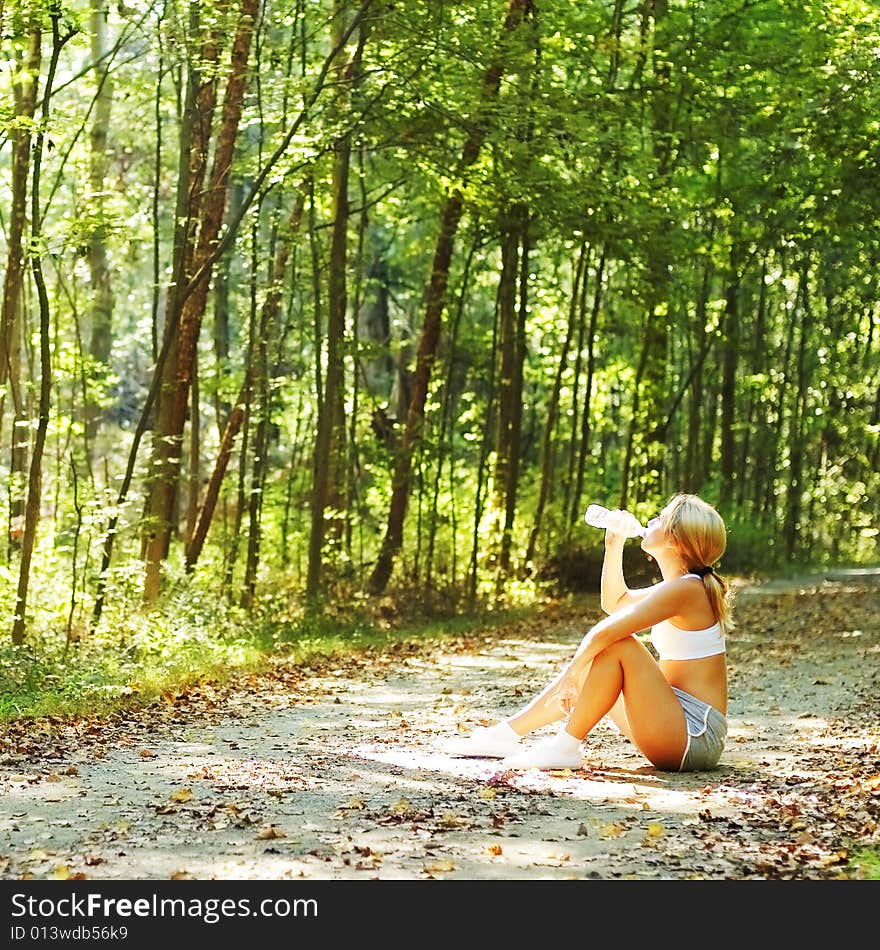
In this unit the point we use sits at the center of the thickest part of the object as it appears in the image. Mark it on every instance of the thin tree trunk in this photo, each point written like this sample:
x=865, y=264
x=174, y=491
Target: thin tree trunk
x=194, y=474
x=434, y=306
x=729, y=367
x=794, y=488
x=750, y=436
x=511, y=488
x=693, y=464
x=508, y=396
x=195, y=251
x=574, y=446
x=221, y=317
x=547, y=452
x=258, y=467
x=772, y=471
x=101, y=303
x=32, y=510
x=644, y=440
x=24, y=89
x=330, y=452
x=271, y=307
x=447, y=430
x=586, y=437
x=485, y=448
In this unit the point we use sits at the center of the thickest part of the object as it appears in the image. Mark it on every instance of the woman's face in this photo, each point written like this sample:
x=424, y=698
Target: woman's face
x=655, y=533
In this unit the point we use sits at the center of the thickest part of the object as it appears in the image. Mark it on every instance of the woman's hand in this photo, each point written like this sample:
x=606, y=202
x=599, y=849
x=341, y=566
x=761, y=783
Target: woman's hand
x=624, y=524
x=568, y=691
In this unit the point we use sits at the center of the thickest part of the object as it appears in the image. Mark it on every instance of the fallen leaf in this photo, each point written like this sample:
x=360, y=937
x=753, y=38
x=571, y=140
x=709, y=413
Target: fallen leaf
x=181, y=795
x=61, y=872
x=440, y=866
x=269, y=832
x=495, y=850
x=401, y=807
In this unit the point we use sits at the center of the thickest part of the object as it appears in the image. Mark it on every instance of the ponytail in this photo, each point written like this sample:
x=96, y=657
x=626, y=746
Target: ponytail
x=700, y=533
x=720, y=597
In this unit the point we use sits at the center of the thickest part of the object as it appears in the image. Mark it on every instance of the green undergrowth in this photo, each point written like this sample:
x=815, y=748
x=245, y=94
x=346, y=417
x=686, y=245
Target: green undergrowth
x=136, y=657
x=865, y=864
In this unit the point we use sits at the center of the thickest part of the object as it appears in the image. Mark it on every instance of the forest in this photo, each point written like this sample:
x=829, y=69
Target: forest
x=311, y=304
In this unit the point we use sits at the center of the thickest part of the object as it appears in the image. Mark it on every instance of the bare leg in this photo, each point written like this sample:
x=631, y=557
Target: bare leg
x=617, y=714
x=541, y=711
x=654, y=717
x=500, y=740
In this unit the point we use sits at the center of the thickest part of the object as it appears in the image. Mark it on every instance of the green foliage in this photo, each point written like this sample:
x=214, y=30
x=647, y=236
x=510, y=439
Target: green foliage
x=139, y=654
x=864, y=865
x=719, y=162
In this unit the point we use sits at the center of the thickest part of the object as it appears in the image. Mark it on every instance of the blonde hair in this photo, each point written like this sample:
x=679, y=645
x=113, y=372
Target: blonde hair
x=699, y=532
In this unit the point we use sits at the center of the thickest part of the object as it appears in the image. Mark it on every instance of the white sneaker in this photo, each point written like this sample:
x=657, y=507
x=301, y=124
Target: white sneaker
x=494, y=742
x=545, y=755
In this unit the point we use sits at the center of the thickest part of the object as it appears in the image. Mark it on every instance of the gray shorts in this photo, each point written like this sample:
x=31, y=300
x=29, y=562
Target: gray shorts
x=707, y=730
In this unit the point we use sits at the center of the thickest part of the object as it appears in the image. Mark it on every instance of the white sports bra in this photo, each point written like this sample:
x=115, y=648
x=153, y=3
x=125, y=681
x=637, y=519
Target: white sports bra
x=673, y=643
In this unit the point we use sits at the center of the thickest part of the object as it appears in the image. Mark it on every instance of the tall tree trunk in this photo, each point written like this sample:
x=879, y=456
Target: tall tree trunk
x=486, y=444
x=271, y=308
x=771, y=471
x=188, y=304
x=434, y=306
x=329, y=468
x=694, y=467
x=194, y=473
x=759, y=362
x=579, y=305
x=586, y=438
x=169, y=342
x=508, y=396
x=259, y=465
x=221, y=315
x=511, y=489
x=35, y=475
x=101, y=303
x=24, y=90
x=795, y=489
x=547, y=450
x=645, y=437
x=729, y=366
x=447, y=431
x=750, y=424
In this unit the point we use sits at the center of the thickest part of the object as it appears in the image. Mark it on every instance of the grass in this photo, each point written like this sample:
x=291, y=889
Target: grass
x=865, y=864
x=139, y=656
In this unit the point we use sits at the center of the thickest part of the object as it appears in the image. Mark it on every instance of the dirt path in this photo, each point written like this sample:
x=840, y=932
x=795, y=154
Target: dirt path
x=338, y=773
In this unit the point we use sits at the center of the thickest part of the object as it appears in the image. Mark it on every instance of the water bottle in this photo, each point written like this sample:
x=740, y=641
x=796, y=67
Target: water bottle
x=597, y=516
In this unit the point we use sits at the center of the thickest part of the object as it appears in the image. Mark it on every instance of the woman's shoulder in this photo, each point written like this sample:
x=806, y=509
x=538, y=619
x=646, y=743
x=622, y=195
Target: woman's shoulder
x=682, y=584
x=673, y=594
x=692, y=608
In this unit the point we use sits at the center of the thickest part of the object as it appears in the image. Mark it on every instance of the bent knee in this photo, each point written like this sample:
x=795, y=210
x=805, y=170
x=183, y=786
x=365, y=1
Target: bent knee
x=622, y=647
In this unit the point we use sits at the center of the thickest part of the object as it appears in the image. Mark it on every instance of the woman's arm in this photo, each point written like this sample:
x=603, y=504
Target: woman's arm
x=614, y=594
x=647, y=607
